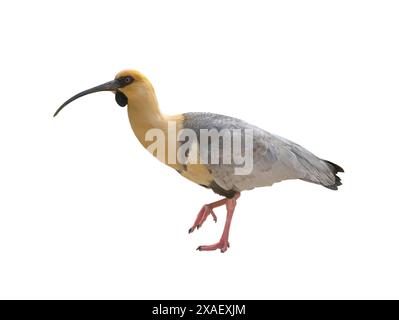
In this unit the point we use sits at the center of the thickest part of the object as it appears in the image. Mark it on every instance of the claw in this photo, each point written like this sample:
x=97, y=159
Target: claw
x=222, y=245
x=205, y=211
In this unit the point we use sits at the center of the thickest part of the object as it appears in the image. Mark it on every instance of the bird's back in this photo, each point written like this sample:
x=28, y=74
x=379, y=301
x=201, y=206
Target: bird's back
x=274, y=158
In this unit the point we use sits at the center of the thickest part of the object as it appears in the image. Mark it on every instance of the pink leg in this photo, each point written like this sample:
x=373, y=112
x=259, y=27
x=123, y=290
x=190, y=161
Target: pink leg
x=223, y=243
x=205, y=211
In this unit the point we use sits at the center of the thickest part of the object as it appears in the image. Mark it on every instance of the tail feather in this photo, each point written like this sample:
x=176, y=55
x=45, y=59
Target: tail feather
x=335, y=169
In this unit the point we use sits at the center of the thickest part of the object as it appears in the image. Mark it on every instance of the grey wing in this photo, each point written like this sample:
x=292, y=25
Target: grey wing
x=274, y=158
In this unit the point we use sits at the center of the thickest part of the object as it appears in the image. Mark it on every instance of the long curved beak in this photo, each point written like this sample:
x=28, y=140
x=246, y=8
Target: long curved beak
x=108, y=86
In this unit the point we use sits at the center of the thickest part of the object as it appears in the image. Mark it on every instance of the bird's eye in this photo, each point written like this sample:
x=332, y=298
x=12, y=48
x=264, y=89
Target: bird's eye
x=124, y=81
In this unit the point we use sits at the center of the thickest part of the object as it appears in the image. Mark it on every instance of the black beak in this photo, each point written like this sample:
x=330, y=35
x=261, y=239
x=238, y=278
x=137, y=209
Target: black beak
x=113, y=85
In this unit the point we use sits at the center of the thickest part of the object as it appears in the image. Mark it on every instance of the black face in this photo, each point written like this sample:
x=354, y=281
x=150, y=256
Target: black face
x=125, y=81
x=120, y=98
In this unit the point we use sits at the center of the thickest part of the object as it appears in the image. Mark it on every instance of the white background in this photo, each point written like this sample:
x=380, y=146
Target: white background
x=86, y=212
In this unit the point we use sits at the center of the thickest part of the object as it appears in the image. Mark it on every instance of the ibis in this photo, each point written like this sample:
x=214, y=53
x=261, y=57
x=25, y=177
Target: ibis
x=251, y=158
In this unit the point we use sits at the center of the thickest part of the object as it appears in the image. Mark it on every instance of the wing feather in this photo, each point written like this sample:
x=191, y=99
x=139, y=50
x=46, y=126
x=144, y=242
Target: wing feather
x=274, y=158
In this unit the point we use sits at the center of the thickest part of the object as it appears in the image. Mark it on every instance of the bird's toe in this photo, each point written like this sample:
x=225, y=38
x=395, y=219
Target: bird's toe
x=222, y=245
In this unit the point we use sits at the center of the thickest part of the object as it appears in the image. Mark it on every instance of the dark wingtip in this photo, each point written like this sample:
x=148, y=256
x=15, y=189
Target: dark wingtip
x=333, y=187
x=335, y=169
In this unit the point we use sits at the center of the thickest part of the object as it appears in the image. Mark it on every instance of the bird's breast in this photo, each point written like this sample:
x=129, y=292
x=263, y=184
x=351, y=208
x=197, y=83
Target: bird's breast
x=158, y=134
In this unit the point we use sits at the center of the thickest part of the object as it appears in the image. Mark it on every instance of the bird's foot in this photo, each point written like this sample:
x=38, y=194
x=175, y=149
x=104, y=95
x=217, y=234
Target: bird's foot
x=223, y=245
x=205, y=211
